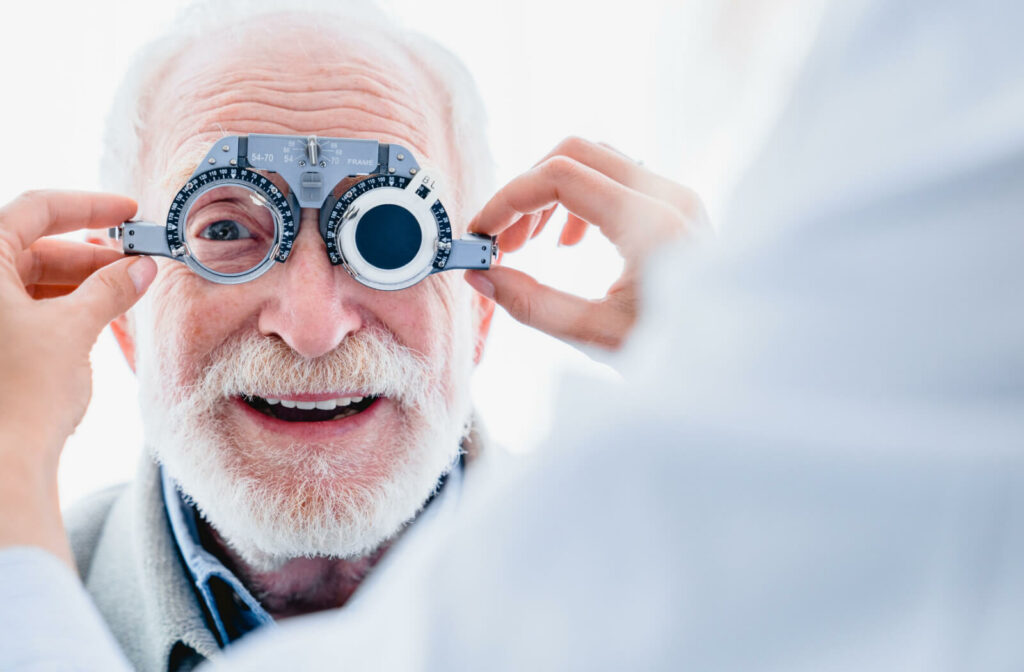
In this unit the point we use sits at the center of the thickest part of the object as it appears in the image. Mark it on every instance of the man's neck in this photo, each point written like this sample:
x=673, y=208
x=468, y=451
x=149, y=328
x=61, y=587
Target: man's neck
x=300, y=586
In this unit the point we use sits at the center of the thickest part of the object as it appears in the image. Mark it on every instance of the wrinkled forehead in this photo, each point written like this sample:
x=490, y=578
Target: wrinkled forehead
x=287, y=76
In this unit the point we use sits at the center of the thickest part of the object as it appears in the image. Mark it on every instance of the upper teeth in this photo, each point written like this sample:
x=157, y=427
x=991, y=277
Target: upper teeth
x=326, y=405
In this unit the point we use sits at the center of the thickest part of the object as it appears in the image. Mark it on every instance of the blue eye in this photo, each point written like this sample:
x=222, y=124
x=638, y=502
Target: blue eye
x=225, y=229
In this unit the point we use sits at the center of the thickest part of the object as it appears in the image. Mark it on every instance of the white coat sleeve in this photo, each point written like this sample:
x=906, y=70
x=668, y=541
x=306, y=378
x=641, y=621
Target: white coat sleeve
x=47, y=621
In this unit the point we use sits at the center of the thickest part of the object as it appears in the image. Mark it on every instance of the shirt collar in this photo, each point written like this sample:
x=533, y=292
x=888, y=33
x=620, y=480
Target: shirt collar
x=229, y=606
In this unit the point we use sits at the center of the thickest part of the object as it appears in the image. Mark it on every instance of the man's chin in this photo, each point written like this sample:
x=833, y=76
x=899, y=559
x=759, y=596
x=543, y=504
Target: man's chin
x=273, y=500
x=326, y=517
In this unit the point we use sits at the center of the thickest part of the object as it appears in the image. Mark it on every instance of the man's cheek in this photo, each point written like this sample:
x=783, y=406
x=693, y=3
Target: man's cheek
x=172, y=350
x=440, y=299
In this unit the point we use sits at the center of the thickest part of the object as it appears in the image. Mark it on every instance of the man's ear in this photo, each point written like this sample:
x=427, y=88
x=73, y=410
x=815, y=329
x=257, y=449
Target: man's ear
x=123, y=334
x=484, y=313
x=121, y=326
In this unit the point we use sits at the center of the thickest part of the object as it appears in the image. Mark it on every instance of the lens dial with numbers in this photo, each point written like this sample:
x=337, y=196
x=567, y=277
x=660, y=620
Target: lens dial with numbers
x=387, y=233
x=230, y=225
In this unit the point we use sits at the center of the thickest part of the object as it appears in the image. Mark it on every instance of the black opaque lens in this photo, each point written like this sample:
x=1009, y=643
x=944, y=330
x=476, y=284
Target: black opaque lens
x=388, y=236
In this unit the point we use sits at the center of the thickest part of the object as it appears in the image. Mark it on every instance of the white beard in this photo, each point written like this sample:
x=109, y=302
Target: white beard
x=266, y=503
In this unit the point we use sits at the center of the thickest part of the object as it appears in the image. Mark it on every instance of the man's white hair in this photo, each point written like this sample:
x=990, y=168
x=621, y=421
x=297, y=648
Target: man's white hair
x=471, y=179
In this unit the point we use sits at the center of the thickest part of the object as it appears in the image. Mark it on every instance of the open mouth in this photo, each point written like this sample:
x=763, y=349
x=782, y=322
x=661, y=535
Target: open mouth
x=310, y=411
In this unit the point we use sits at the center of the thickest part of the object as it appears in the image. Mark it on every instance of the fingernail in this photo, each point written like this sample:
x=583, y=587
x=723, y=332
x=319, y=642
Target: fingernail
x=140, y=273
x=480, y=283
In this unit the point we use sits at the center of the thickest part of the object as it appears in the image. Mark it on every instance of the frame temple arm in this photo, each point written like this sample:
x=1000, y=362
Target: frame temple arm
x=142, y=238
x=473, y=251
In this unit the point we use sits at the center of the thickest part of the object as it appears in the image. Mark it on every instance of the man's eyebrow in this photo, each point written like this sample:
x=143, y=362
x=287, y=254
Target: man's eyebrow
x=181, y=170
x=182, y=175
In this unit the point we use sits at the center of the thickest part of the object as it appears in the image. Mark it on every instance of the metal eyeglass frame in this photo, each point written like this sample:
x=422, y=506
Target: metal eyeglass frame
x=312, y=167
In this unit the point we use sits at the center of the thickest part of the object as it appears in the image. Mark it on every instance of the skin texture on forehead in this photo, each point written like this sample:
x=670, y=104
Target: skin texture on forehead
x=276, y=75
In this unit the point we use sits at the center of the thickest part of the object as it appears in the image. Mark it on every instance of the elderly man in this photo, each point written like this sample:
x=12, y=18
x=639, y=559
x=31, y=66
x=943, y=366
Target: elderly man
x=248, y=508
x=259, y=511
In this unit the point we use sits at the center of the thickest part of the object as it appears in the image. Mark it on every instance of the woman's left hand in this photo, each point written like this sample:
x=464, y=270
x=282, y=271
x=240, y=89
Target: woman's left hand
x=636, y=209
x=56, y=296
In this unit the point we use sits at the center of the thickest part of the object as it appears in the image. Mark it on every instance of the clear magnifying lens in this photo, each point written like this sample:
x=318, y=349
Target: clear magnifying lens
x=231, y=229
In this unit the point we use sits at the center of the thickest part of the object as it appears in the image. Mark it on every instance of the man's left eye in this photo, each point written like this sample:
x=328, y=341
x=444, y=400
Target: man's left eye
x=225, y=229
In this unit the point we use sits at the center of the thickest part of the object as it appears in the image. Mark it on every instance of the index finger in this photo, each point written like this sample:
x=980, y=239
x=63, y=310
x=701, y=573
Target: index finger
x=35, y=214
x=585, y=192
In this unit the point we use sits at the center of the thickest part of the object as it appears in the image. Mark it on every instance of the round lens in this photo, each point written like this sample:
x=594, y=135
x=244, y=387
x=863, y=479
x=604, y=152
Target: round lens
x=388, y=236
x=230, y=228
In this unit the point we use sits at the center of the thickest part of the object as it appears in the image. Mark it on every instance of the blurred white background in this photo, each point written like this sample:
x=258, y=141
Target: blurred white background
x=689, y=86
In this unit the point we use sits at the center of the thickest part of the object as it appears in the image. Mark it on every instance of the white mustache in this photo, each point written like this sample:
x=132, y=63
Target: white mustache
x=370, y=361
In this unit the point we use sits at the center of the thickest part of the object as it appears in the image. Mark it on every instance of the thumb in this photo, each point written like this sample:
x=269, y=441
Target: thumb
x=111, y=290
x=554, y=312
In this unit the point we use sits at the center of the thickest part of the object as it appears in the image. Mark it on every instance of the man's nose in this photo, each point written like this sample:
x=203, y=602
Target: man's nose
x=311, y=311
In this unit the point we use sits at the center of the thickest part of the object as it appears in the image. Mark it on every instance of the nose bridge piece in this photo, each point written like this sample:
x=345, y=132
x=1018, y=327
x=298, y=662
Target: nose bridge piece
x=309, y=255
